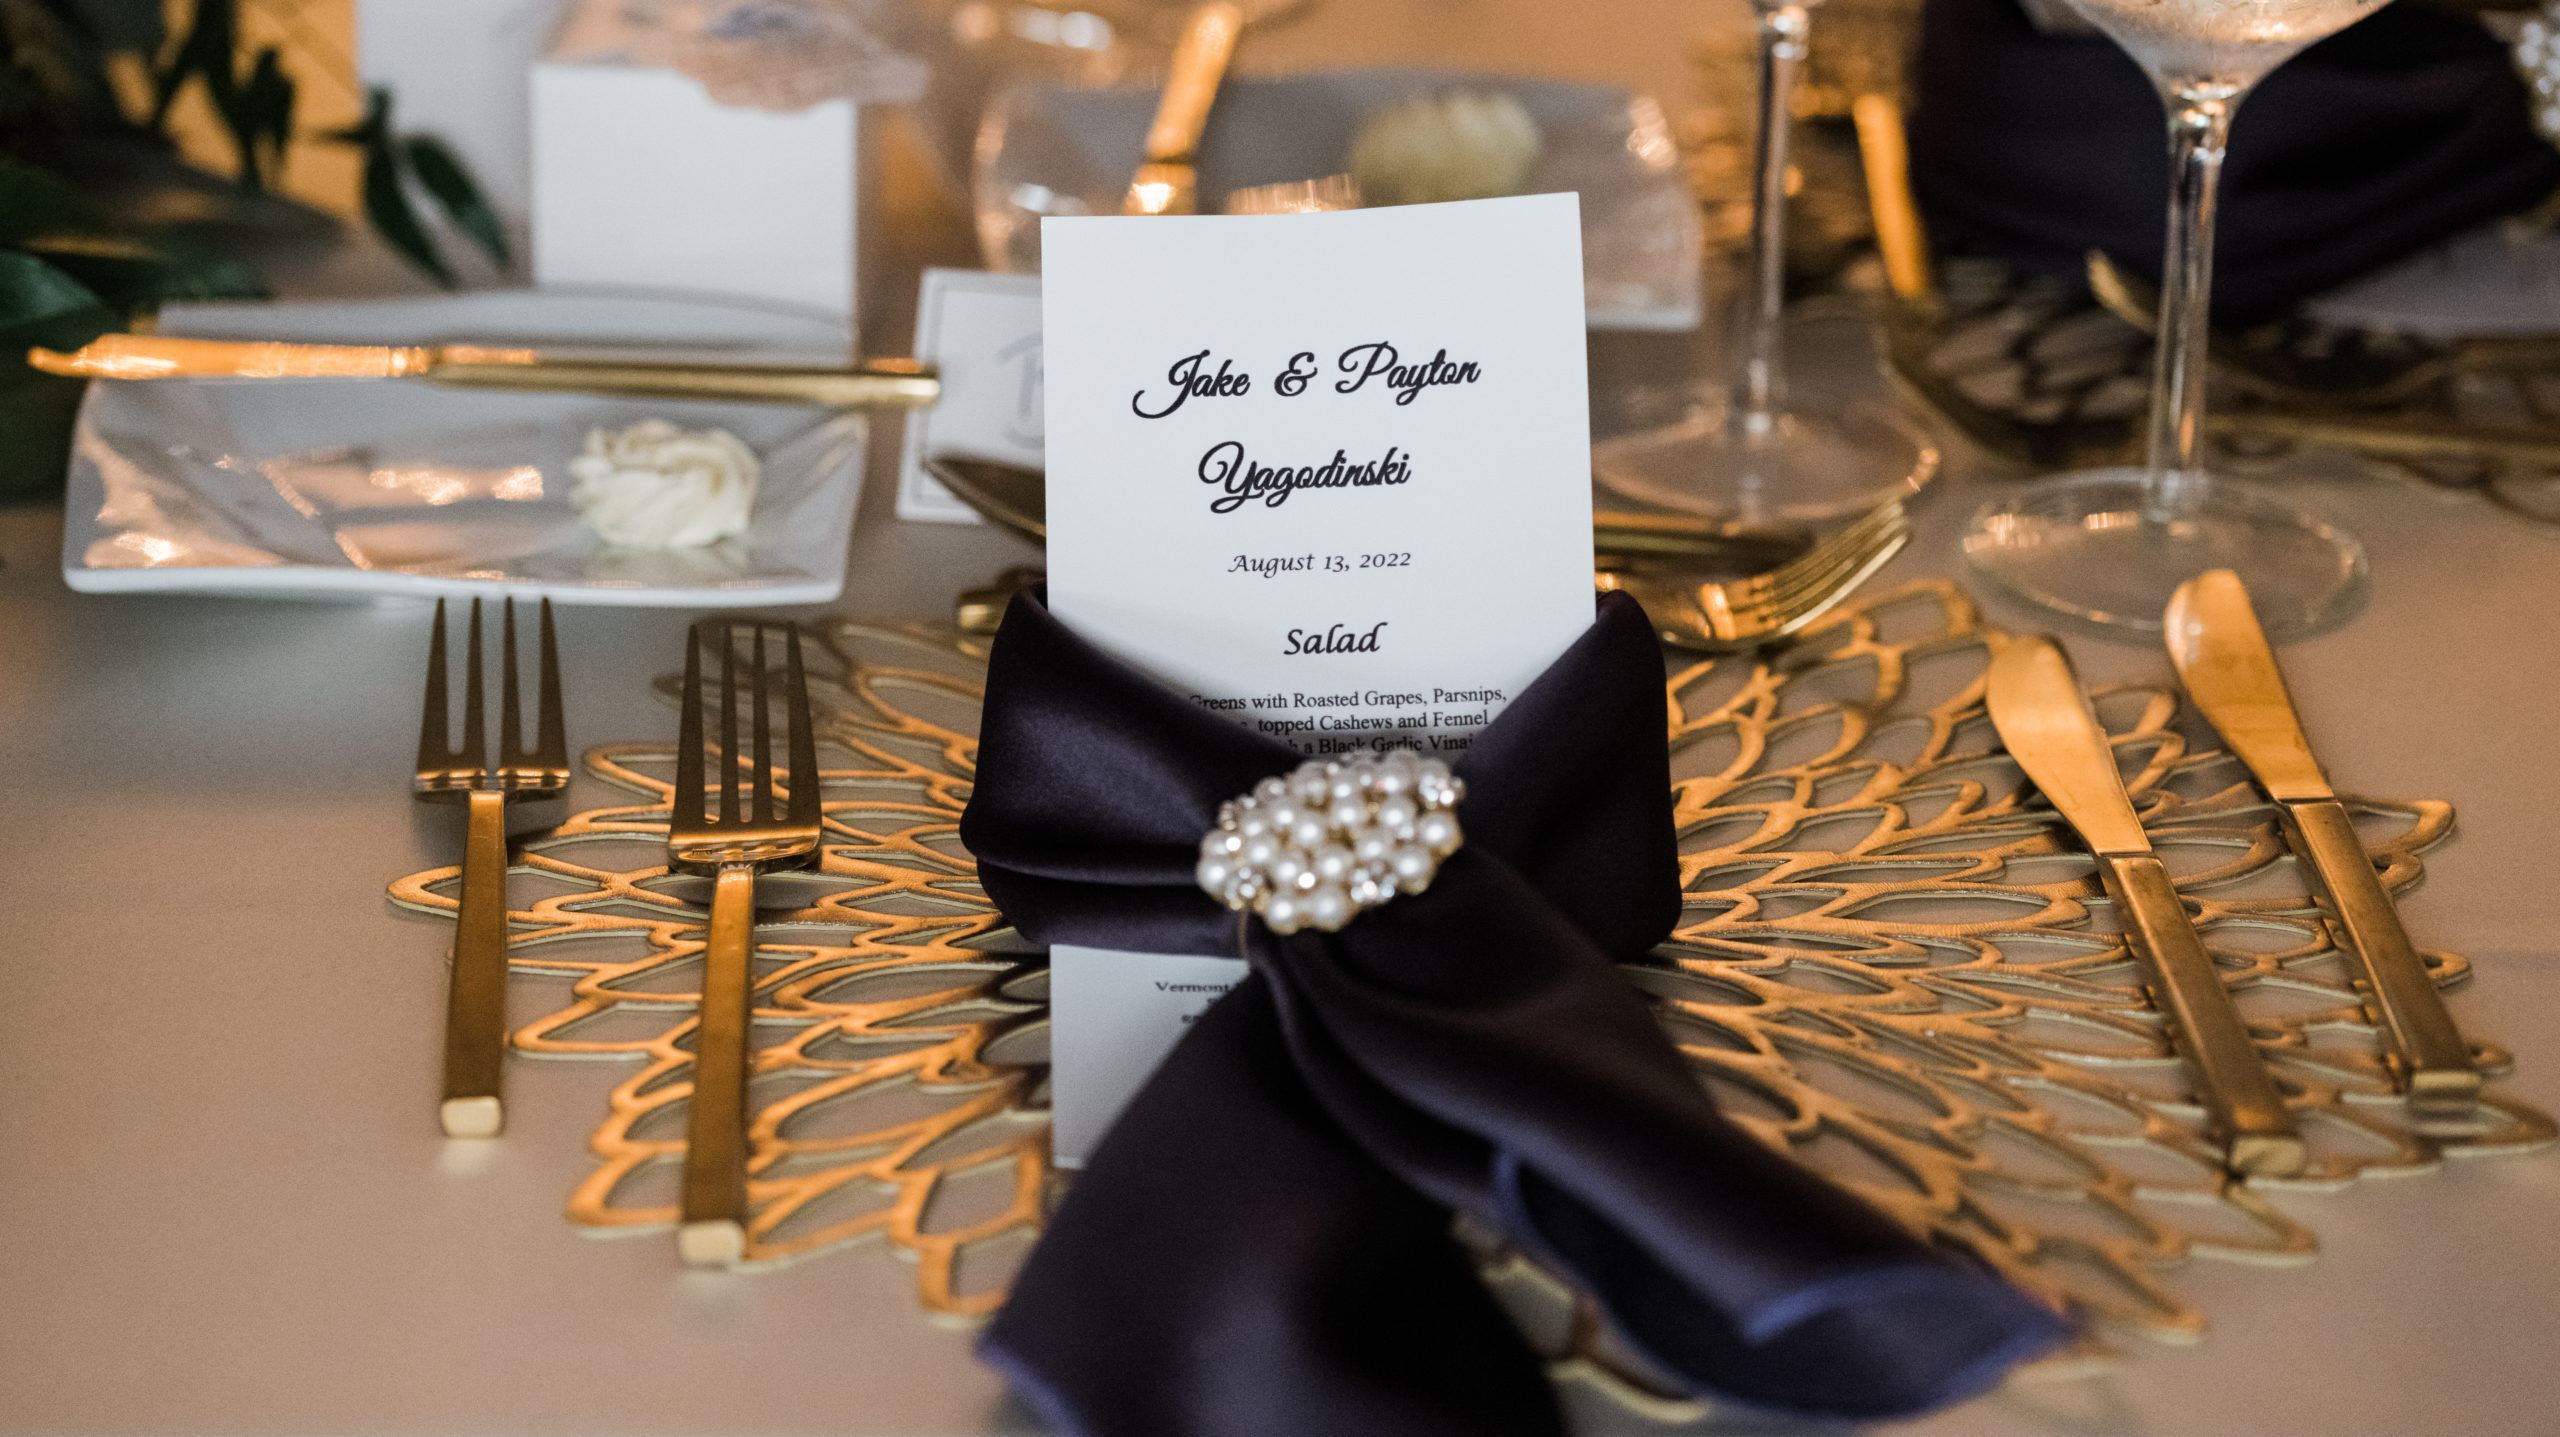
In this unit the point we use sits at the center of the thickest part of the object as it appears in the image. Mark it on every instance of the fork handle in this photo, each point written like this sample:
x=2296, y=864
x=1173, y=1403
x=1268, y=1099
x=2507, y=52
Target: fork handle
x=475, y=1014
x=714, y=1230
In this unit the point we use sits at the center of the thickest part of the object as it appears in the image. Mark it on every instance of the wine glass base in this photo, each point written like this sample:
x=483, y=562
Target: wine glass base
x=2078, y=546
x=1823, y=461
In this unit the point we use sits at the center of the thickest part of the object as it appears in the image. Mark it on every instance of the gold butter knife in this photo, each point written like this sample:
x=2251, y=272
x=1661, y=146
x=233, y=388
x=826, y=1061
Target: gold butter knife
x=2222, y=654
x=874, y=384
x=2045, y=722
x=1168, y=181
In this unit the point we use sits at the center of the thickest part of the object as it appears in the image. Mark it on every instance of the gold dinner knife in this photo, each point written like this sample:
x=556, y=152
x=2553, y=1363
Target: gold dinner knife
x=874, y=384
x=2045, y=722
x=2222, y=654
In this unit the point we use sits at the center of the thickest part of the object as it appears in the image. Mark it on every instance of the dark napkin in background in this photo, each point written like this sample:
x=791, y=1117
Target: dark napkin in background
x=2403, y=129
x=1261, y=1244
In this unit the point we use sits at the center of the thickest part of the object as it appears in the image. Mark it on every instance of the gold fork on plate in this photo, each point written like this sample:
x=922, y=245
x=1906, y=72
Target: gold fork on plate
x=757, y=831
x=1749, y=612
x=475, y=1020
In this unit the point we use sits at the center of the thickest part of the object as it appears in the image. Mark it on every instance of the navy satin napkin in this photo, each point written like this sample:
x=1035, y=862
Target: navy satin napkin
x=2396, y=132
x=1262, y=1244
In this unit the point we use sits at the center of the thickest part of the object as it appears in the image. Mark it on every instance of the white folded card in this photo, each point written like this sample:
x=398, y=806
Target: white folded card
x=981, y=333
x=1327, y=475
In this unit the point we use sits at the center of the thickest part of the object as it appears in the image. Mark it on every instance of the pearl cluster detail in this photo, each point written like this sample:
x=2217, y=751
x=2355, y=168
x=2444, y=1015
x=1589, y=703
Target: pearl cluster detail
x=1333, y=839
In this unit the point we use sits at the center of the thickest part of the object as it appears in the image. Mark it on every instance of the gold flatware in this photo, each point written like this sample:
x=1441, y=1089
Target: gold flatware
x=1884, y=151
x=2045, y=722
x=1016, y=499
x=2223, y=657
x=1168, y=180
x=981, y=610
x=475, y=1020
x=1750, y=612
x=873, y=384
x=755, y=832
x=1321, y=195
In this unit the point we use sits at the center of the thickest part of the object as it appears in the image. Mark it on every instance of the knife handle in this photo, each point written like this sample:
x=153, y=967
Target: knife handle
x=2243, y=1110
x=862, y=387
x=2443, y=1080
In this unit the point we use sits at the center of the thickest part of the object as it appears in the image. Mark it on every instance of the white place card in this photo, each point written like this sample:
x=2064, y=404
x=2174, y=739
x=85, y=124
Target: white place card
x=642, y=181
x=1326, y=475
x=981, y=332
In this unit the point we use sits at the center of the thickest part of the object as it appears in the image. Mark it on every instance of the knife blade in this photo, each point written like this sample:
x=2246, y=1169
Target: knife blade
x=883, y=383
x=2222, y=655
x=2046, y=724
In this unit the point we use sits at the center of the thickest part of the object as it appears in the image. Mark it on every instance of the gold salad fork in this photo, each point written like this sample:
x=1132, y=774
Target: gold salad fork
x=475, y=1018
x=1749, y=612
x=750, y=835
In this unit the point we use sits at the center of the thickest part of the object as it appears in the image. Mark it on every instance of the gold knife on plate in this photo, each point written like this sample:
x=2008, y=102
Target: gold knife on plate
x=2223, y=656
x=2046, y=724
x=874, y=384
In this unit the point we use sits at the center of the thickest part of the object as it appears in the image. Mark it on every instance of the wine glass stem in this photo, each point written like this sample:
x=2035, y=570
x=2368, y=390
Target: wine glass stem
x=1759, y=379
x=2174, y=484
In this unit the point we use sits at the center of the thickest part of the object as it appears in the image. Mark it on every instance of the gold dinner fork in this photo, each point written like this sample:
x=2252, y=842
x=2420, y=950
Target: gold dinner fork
x=475, y=1017
x=746, y=838
x=1749, y=612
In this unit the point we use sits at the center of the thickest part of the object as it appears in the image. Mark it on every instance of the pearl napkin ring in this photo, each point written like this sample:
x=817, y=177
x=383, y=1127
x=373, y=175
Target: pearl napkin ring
x=1333, y=839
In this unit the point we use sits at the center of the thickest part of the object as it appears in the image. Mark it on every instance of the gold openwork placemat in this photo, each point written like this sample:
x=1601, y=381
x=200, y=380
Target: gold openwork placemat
x=1895, y=965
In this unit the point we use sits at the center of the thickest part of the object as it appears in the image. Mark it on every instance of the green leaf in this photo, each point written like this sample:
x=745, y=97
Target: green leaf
x=195, y=271
x=206, y=51
x=39, y=305
x=33, y=292
x=264, y=114
x=135, y=279
x=35, y=203
x=441, y=172
x=386, y=204
x=122, y=24
x=376, y=121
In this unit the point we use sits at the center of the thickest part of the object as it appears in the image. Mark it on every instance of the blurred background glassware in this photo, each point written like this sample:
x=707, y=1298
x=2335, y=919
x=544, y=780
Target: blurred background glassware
x=2109, y=546
x=1752, y=456
x=978, y=49
x=1054, y=149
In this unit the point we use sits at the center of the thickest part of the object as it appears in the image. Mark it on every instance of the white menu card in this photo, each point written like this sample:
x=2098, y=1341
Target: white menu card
x=1327, y=475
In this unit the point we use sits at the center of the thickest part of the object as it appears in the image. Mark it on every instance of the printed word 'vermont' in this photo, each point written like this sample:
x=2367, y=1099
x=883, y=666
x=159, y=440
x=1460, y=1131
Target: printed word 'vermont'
x=1241, y=481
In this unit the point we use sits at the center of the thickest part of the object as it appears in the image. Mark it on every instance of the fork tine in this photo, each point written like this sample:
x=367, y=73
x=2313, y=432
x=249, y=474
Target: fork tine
x=1816, y=571
x=764, y=735
x=475, y=732
x=510, y=700
x=434, y=752
x=804, y=740
x=1783, y=610
x=687, y=808
x=1805, y=608
x=728, y=725
x=551, y=738
x=1823, y=559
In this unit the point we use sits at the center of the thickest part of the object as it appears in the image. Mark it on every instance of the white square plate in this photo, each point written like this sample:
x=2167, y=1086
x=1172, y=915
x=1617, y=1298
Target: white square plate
x=325, y=488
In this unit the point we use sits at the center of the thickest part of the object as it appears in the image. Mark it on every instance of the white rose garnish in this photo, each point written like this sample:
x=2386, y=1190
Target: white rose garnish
x=1459, y=145
x=655, y=486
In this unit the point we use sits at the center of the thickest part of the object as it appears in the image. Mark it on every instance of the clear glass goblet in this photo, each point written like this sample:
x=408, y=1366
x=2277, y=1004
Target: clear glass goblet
x=2109, y=546
x=1749, y=458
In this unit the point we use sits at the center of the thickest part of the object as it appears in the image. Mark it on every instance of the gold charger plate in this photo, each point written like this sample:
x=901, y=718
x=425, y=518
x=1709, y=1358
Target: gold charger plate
x=1894, y=965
